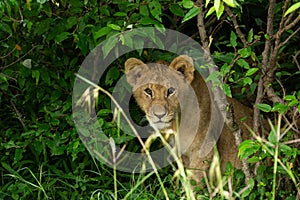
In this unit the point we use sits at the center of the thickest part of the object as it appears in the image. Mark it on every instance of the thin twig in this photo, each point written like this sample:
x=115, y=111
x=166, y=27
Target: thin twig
x=290, y=25
x=19, y=116
x=292, y=141
x=2, y=57
x=287, y=39
x=6, y=38
x=295, y=59
x=6, y=66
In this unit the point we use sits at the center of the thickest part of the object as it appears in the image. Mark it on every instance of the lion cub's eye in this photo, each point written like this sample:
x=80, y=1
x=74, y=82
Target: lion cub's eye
x=170, y=91
x=148, y=91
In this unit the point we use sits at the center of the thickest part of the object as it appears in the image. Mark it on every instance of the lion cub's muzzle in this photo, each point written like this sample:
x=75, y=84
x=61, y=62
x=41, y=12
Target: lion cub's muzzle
x=160, y=117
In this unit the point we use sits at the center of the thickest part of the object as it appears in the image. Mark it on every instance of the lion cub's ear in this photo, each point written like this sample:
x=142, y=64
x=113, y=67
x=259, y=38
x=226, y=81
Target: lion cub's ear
x=133, y=70
x=185, y=65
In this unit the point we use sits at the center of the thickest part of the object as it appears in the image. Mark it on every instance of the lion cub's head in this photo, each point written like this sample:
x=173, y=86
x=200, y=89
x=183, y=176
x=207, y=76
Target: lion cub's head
x=158, y=88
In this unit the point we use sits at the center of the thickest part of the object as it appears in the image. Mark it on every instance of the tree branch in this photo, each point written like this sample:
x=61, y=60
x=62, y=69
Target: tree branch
x=218, y=95
x=236, y=26
x=270, y=67
x=201, y=28
x=265, y=61
x=292, y=35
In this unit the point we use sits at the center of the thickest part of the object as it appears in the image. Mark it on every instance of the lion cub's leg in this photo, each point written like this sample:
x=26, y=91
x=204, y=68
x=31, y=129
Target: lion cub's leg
x=196, y=166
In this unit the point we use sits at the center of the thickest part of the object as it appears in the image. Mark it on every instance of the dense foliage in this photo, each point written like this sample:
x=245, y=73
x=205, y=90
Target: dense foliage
x=43, y=44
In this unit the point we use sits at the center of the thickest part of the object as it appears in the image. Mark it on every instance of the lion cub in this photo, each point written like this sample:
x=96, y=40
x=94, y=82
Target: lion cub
x=166, y=92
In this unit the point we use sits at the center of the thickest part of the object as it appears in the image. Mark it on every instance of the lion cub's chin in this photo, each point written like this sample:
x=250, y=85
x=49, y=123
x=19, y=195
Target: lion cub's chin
x=162, y=125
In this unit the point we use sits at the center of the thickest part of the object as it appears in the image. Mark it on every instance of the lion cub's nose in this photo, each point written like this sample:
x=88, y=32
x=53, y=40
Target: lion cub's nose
x=159, y=111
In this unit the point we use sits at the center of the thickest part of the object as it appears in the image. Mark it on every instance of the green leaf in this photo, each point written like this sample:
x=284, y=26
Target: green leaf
x=120, y=14
x=9, y=169
x=71, y=21
x=250, y=185
x=144, y=10
x=289, y=98
x=250, y=36
x=210, y=11
x=61, y=37
x=55, y=122
x=267, y=36
x=139, y=44
x=254, y=159
x=233, y=39
x=155, y=10
x=21, y=82
x=248, y=148
x=56, y=148
x=229, y=167
x=251, y=71
x=192, y=13
x=104, y=10
x=281, y=108
x=293, y=103
x=229, y=3
x=206, y=3
x=253, y=56
x=3, y=78
x=243, y=119
x=38, y=146
x=217, y=4
x=109, y=45
x=18, y=155
x=247, y=81
x=104, y=112
x=128, y=41
x=245, y=52
x=225, y=70
x=55, y=95
x=82, y=43
x=292, y=8
x=148, y=21
x=122, y=39
x=243, y=90
x=114, y=27
x=214, y=77
x=220, y=11
x=227, y=90
x=272, y=137
x=103, y=31
x=264, y=107
x=6, y=28
x=43, y=26
x=253, y=87
x=36, y=74
x=177, y=10
x=187, y=4
x=112, y=75
x=123, y=139
x=285, y=149
x=241, y=62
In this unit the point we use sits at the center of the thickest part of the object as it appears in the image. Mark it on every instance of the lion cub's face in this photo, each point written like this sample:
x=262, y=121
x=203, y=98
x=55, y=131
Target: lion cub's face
x=157, y=87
